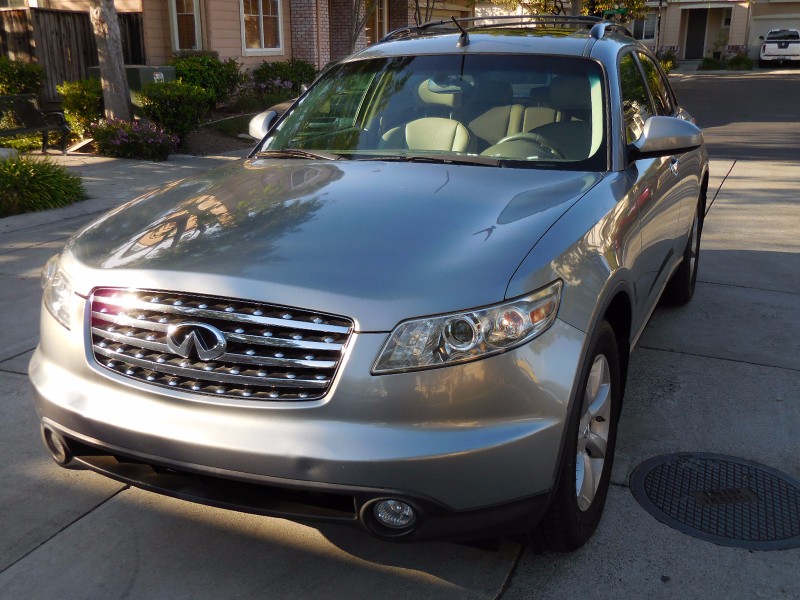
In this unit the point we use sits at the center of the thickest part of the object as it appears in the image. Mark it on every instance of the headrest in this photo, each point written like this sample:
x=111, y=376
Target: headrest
x=441, y=94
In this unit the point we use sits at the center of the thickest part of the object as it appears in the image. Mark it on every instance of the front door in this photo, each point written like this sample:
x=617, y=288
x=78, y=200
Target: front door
x=696, y=33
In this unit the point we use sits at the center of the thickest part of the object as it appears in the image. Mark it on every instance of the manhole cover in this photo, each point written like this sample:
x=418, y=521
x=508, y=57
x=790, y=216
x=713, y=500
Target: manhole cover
x=723, y=499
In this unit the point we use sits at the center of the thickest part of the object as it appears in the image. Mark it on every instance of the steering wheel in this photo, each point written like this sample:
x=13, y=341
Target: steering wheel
x=536, y=139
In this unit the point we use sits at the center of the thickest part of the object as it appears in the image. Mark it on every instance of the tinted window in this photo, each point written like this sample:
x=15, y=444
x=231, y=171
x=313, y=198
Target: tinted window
x=658, y=87
x=635, y=100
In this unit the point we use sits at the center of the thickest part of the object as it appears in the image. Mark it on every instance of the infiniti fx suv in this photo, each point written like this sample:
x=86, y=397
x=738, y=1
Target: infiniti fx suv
x=409, y=309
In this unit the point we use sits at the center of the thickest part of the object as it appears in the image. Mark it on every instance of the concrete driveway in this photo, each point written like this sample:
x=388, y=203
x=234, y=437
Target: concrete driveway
x=719, y=375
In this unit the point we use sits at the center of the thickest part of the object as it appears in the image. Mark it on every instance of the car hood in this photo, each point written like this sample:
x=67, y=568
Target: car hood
x=378, y=242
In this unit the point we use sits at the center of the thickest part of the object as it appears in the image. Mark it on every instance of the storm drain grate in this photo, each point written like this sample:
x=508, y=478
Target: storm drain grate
x=722, y=499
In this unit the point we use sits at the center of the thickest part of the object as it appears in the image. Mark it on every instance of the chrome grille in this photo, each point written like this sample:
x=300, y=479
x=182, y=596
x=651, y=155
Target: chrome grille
x=270, y=352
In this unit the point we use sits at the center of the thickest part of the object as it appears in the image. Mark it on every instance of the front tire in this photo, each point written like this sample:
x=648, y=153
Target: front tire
x=680, y=288
x=585, y=471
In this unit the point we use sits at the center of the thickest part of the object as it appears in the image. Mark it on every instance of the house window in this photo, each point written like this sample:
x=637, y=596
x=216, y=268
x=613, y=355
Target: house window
x=185, y=18
x=645, y=29
x=727, y=13
x=12, y=4
x=261, y=26
x=378, y=24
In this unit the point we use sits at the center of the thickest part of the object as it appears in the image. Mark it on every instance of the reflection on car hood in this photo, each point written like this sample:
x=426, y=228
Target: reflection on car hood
x=375, y=241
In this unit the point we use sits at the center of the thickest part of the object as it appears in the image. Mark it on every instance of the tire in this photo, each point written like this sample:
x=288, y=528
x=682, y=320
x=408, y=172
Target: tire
x=579, y=498
x=680, y=287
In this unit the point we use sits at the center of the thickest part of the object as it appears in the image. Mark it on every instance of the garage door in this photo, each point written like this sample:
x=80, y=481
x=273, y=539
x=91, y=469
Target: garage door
x=762, y=25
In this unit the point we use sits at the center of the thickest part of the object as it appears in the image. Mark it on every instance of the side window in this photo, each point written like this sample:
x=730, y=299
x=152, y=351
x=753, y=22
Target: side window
x=635, y=99
x=658, y=87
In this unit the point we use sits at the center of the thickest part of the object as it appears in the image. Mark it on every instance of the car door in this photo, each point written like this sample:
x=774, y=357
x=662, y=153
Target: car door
x=684, y=187
x=653, y=181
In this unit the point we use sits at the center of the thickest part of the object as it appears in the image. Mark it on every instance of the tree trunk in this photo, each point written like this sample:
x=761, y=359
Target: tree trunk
x=575, y=9
x=105, y=24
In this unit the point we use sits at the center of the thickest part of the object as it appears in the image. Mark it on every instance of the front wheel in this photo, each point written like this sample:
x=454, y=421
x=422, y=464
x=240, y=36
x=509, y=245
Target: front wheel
x=680, y=288
x=585, y=471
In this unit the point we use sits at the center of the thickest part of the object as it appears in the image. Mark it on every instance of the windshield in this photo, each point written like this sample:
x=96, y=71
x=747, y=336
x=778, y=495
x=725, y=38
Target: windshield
x=505, y=110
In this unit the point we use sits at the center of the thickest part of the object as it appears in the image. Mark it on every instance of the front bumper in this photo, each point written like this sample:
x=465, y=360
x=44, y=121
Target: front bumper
x=469, y=445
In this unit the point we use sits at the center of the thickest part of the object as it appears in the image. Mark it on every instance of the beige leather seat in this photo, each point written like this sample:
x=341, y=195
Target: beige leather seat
x=540, y=110
x=428, y=133
x=492, y=114
x=435, y=133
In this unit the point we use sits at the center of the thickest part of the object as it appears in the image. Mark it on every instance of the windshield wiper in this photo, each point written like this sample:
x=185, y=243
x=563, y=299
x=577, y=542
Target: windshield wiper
x=481, y=161
x=299, y=153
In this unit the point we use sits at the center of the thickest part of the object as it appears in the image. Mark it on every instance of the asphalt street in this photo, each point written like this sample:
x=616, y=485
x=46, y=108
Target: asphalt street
x=720, y=375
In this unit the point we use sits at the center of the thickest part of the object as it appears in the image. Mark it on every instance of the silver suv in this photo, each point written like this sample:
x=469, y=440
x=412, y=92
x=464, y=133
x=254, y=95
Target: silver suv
x=410, y=309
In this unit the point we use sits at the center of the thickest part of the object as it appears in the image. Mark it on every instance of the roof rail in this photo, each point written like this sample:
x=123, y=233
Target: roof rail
x=598, y=32
x=472, y=23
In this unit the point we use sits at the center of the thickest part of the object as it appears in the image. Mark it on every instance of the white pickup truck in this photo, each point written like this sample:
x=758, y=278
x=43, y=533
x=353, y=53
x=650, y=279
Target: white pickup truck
x=780, y=45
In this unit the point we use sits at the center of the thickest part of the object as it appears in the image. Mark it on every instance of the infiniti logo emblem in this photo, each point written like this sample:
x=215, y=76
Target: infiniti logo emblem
x=203, y=341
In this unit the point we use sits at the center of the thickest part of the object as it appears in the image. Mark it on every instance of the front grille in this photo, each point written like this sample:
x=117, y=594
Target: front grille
x=269, y=352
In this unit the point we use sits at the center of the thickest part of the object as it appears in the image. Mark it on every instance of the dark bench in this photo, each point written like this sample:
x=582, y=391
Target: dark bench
x=21, y=114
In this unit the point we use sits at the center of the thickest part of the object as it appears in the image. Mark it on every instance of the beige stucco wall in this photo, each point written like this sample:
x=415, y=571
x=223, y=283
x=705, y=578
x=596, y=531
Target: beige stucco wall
x=221, y=28
x=674, y=19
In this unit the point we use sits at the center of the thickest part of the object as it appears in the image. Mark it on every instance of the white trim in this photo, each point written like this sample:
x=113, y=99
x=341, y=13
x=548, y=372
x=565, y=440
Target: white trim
x=262, y=51
x=173, y=26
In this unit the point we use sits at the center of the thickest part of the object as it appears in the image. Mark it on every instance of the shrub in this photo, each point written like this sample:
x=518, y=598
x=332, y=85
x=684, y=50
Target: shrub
x=740, y=62
x=133, y=139
x=27, y=185
x=204, y=70
x=284, y=76
x=669, y=60
x=19, y=77
x=712, y=64
x=176, y=106
x=83, y=104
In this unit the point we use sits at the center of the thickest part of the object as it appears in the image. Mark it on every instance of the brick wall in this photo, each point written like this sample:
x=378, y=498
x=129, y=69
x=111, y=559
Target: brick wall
x=310, y=31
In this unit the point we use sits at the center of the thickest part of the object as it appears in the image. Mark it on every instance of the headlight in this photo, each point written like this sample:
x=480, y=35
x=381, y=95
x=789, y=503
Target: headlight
x=469, y=335
x=57, y=291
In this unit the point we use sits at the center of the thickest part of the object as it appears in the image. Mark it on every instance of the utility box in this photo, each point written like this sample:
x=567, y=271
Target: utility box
x=138, y=76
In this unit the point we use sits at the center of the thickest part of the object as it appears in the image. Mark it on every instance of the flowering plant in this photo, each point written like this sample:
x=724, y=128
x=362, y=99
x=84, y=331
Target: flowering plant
x=133, y=139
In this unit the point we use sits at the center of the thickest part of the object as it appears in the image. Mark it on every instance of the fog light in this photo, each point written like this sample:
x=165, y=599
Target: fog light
x=57, y=447
x=394, y=513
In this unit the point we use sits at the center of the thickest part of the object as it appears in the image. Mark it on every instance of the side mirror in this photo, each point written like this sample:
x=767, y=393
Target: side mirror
x=663, y=136
x=260, y=124
x=303, y=88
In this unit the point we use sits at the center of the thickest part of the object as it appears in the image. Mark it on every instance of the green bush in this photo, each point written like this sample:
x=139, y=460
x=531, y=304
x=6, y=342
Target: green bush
x=712, y=64
x=284, y=76
x=27, y=185
x=669, y=60
x=133, y=139
x=221, y=78
x=83, y=104
x=740, y=62
x=176, y=106
x=19, y=77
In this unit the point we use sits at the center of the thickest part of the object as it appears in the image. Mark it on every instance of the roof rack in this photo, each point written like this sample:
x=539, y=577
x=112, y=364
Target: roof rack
x=596, y=25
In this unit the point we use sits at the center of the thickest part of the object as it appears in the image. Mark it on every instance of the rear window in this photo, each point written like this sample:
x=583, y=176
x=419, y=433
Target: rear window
x=782, y=35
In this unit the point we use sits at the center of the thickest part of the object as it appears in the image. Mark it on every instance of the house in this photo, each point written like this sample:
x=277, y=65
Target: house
x=695, y=30
x=253, y=31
